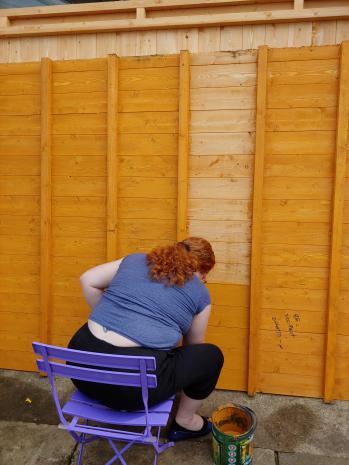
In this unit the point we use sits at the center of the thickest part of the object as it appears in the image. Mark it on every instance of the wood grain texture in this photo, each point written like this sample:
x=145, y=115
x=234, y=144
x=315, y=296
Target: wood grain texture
x=112, y=158
x=257, y=219
x=183, y=145
x=46, y=198
x=337, y=221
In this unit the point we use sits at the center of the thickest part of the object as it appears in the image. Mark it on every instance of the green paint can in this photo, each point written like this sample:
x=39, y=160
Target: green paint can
x=233, y=427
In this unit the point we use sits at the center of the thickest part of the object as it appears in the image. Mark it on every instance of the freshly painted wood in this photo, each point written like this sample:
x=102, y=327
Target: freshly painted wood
x=298, y=172
x=304, y=53
x=149, y=122
x=46, y=198
x=148, y=100
x=256, y=251
x=301, y=119
x=337, y=220
x=112, y=158
x=303, y=72
x=304, y=210
x=149, y=78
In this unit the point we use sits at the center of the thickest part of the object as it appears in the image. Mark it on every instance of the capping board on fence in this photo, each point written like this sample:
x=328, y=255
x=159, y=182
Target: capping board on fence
x=265, y=322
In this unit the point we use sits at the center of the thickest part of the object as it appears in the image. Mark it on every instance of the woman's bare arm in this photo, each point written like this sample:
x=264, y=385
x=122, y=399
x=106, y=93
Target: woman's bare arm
x=95, y=280
x=196, y=333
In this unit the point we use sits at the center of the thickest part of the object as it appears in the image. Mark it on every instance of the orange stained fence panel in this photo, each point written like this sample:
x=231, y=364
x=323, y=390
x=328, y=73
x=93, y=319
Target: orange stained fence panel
x=138, y=138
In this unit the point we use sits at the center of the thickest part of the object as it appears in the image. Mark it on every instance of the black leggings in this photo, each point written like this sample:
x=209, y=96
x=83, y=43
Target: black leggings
x=194, y=369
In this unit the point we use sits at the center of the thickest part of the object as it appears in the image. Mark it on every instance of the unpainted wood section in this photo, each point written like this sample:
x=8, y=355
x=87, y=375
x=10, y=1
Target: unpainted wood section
x=324, y=32
x=183, y=145
x=337, y=222
x=213, y=19
x=235, y=38
x=253, y=370
x=46, y=198
x=112, y=160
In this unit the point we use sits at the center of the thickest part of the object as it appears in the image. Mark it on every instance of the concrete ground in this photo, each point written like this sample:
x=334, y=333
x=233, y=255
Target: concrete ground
x=291, y=430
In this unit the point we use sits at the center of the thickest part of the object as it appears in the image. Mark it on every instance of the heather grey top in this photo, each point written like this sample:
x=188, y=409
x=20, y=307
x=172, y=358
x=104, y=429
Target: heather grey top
x=147, y=312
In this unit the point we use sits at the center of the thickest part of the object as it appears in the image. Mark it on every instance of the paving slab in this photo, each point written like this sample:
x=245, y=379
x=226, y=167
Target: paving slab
x=307, y=459
x=191, y=452
x=285, y=424
x=293, y=424
x=30, y=398
x=263, y=457
x=32, y=444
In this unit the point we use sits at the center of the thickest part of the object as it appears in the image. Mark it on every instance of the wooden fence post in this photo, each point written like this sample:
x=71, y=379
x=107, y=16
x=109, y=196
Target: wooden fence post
x=183, y=144
x=255, y=289
x=46, y=198
x=337, y=222
x=112, y=162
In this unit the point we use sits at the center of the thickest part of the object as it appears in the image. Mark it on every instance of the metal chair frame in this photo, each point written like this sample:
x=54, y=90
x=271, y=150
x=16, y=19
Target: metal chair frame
x=82, y=409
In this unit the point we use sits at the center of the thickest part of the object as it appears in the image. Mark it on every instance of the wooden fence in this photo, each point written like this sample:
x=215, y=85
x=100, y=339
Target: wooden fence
x=151, y=27
x=107, y=156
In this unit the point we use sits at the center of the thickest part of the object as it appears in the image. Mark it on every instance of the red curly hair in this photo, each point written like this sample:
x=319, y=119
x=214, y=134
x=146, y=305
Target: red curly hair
x=176, y=264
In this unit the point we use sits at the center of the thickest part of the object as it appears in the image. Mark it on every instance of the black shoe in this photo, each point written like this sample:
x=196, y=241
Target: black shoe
x=178, y=433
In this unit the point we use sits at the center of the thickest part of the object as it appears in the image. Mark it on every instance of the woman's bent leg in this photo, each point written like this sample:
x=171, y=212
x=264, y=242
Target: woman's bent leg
x=186, y=415
x=197, y=370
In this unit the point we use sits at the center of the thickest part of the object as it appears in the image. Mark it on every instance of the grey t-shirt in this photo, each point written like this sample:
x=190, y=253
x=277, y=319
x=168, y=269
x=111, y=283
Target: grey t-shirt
x=148, y=312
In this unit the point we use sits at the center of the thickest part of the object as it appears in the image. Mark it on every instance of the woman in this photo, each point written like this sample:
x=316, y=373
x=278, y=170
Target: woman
x=143, y=304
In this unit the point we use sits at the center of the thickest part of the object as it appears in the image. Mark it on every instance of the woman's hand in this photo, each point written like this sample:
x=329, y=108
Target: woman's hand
x=95, y=280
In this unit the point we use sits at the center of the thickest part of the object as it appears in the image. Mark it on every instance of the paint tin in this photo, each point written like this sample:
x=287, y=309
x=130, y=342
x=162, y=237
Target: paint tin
x=233, y=427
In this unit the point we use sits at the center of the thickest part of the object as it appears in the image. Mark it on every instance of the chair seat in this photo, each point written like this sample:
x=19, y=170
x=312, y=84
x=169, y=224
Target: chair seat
x=82, y=406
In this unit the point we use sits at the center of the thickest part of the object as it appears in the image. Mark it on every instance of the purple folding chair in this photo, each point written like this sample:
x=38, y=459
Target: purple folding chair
x=82, y=409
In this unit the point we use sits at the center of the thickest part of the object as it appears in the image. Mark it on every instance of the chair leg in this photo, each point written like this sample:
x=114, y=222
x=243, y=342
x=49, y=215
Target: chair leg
x=156, y=452
x=117, y=455
x=82, y=444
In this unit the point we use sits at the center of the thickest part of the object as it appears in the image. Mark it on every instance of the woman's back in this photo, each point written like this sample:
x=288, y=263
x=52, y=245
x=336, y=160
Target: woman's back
x=150, y=313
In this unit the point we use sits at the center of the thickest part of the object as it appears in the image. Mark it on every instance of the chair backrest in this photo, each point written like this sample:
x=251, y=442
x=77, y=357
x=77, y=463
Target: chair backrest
x=136, y=376
x=137, y=364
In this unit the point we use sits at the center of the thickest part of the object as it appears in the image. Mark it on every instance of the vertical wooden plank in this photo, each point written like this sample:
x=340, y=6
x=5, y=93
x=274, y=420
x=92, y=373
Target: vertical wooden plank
x=29, y=49
x=183, y=144
x=337, y=222
x=46, y=198
x=86, y=46
x=253, y=36
x=276, y=35
x=298, y=4
x=4, y=50
x=14, y=50
x=324, y=32
x=188, y=39
x=342, y=31
x=67, y=47
x=145, y=43
x=127, y=43
x=300, y=34
x=255, y=290
x=112, y=171
x=209, y=39
x=166, y=42
x=48, y=47
x=107, y=43
x=141, y=13
x=231, y=38
x=4, y=21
